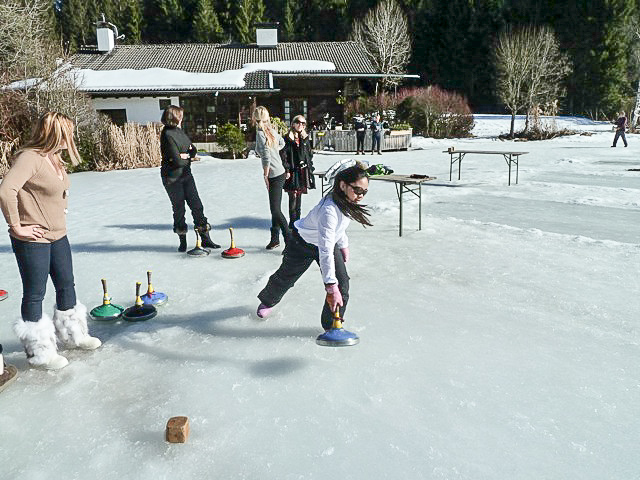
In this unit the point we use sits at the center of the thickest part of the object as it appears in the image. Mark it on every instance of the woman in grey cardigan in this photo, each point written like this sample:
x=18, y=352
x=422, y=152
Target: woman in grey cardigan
x=268, y=145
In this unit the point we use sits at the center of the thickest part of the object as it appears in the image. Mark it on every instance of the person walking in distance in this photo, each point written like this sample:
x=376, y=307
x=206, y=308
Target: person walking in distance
x=34, y=198
x=177, y=153
x=297, y=156
x=621, y=125
x=268, y=145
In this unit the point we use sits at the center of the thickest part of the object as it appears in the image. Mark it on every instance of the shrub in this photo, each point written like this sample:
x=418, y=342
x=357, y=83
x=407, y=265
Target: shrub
x=231, y=138
x=280, y=126
x=127, y=147
x=434, y=112
x=368, y=106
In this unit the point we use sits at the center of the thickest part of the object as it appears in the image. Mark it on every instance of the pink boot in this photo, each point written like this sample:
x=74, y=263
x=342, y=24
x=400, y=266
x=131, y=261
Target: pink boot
x=263, y=311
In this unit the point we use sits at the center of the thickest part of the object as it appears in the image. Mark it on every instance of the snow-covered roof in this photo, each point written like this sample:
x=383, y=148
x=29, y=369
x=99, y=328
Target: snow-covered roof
x=170, y=79
x=217, y=66
x=164, y=79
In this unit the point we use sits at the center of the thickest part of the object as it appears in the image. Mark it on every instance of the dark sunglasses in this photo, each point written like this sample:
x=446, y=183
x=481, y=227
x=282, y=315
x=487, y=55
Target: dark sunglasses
x=359, y=190
x=300, y=123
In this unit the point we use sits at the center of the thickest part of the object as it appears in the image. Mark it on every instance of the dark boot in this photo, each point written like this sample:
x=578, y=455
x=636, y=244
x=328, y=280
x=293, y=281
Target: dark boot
x=183, y=242
x=207, y=242
x=205, y=238
x=275, y=239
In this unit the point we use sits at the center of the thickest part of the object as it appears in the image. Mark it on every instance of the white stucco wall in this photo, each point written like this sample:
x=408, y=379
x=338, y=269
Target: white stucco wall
x=139, y=110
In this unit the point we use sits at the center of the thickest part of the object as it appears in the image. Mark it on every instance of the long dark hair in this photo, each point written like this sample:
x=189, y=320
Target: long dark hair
x=354, y=211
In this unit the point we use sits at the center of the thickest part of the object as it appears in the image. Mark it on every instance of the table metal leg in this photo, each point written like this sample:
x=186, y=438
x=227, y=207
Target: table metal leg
x=460, y=155
x=419, y=206
x=400, y=199
x=509, y=162
x=450, y=165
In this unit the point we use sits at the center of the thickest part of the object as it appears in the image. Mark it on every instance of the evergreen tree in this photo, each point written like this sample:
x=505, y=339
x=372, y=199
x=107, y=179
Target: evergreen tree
x=594, y=33
x=127, y=16
x=323, y=20
x=165, y=21
x=225, y=11
x=72, y=20
x=257, y=15
x=288, y=27
x=205, y=27
x=241, y=22
x=248, y=13
x=453, y=43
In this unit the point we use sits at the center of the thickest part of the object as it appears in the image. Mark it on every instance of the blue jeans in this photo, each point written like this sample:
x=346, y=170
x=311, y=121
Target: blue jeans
x=36, y=261
x=376, y=141
x=619, y=133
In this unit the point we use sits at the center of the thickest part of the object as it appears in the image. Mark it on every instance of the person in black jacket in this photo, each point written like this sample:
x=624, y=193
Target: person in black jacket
x=177, y=153
x=361, y=129
x=297, y=158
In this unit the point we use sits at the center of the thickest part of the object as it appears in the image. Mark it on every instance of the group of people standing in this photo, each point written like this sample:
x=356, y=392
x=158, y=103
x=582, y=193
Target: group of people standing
x=34, y=200
x=377, y=128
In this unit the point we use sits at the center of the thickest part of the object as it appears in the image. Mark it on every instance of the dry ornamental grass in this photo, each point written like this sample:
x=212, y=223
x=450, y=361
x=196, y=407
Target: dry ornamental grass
x=131, y=146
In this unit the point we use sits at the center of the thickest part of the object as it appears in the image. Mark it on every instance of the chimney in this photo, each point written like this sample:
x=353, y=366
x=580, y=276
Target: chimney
x=107, y=34
x=267, y=35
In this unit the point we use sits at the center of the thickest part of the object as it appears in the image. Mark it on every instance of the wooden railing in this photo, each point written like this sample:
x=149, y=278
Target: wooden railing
x=345, y=140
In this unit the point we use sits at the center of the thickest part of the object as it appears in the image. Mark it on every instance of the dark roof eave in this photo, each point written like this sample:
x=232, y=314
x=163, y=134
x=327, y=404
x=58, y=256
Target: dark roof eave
x=137, y=93
x=341, y=75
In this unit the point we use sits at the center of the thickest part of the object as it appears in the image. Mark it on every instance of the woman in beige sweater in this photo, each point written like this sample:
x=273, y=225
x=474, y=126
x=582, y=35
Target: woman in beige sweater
x=33, y=197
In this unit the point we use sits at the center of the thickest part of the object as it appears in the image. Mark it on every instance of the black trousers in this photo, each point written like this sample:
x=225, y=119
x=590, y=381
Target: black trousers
x=181, y=191
x=278, y=220
x=38, y=261
x=295, y=207
x=297, y=257
x=360, y=141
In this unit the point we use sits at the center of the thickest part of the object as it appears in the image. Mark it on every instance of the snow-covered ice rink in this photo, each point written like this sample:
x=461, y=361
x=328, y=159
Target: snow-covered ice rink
x=501, y=341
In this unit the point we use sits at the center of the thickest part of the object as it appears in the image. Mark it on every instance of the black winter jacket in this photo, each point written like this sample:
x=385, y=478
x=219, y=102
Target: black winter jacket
x=173, y=142
x=298, y=161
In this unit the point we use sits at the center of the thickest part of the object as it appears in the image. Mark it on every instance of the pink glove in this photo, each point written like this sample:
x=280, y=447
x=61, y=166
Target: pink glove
x=345, y=254
x=334, y=297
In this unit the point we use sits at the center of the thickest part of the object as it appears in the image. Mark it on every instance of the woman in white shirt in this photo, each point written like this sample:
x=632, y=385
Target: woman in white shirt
x=321, y=237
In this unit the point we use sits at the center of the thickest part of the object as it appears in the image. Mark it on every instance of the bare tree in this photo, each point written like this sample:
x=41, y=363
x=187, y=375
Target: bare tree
x=384, y=34
x=531, y=70
x=29, y=56
x=26, y=49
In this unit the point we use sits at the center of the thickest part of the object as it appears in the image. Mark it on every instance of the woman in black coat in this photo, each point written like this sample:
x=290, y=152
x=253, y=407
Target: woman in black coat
x=297, y=157
x=177, y=153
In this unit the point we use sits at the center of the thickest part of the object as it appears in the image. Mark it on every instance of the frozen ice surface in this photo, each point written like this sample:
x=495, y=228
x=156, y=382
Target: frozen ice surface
x=499, y=342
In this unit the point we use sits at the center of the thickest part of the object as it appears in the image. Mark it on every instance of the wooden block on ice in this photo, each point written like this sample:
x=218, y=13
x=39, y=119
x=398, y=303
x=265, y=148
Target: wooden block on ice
x=177, y=430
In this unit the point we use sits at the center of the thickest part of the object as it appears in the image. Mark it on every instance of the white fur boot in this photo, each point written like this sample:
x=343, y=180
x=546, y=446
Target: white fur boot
x=72, y=330
x=39, y=341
